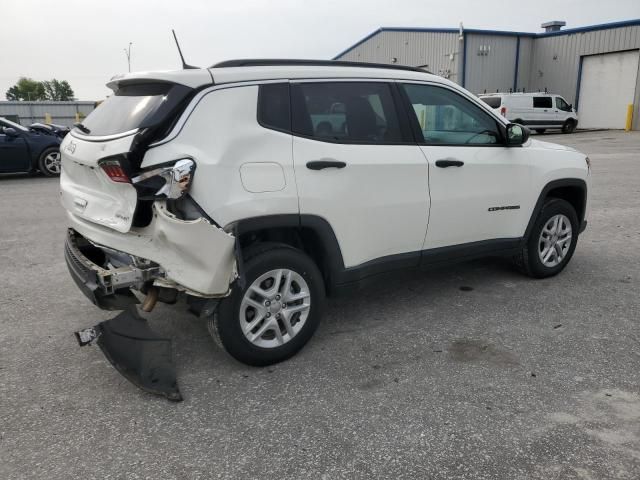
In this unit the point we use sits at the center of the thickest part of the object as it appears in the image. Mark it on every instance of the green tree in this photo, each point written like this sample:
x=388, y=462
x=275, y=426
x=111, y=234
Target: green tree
x=32, y=90
x=26, y=89
x=57, y=90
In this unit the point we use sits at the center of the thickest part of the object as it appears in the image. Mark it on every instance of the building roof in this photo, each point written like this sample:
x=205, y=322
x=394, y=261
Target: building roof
x=568, y=31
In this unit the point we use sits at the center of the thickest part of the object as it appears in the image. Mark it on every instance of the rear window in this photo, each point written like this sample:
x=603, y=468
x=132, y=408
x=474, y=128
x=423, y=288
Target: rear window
x=493, y=102
x=273, y=106
x=135, y=106
x=542, y=102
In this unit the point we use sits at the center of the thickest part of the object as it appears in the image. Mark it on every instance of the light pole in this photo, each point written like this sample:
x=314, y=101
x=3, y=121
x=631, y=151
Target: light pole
x=127, y=52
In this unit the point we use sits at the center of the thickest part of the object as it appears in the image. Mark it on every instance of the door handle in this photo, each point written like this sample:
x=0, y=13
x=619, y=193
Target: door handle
x=449, y=162
x=325, y=163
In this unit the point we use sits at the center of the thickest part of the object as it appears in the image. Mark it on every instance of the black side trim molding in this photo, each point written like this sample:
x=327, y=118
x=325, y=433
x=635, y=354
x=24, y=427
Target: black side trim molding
x=339, y=277
x=542, y=123
x=469, y=251
x=565, y=182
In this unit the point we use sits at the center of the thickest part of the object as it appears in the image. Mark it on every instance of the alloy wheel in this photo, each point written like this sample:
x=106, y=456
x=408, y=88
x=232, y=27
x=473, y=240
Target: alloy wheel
x=555, y=240
x=52, y=163
x=275, y=308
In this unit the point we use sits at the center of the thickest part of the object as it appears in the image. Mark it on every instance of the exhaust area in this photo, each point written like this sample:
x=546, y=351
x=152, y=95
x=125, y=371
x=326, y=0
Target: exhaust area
x=151, y=299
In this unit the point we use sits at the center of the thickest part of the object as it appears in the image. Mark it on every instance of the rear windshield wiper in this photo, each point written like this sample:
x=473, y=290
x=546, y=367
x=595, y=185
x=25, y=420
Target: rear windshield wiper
x=82, y=128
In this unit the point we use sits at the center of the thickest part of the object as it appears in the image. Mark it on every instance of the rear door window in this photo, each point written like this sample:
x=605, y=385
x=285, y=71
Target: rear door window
x=542, y=102
x=345, y=112
x=135, y=106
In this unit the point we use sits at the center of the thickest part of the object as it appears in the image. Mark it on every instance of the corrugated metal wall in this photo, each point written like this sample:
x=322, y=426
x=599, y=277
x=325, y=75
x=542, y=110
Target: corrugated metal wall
x=437, y=52
x=491, y=63
x=556, y=59
x=524, y=63
x=545, y=61
x=63, y=113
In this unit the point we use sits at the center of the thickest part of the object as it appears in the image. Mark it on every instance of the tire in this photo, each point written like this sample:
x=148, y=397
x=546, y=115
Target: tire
x=281, y=339
x=540, y=131
x=569, y=126
x=49, y=162
x=529, y=260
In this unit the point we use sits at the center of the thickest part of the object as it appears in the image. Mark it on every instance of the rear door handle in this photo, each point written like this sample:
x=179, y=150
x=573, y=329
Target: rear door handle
x=449, y=162
x=325, y=163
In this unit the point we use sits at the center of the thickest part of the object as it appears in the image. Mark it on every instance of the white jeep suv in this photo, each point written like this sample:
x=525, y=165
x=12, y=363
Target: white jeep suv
x=254, y=188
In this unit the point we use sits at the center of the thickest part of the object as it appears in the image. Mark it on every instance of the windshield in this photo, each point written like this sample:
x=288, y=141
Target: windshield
x=131, y=107
x=493, y=102
x=9, y=124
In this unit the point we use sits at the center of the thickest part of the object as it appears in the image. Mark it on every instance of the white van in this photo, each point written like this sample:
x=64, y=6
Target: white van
x=538, y=111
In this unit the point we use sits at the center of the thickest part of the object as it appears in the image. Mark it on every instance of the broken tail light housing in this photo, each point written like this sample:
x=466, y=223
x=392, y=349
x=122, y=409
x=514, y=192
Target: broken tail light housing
x=169, y=181
x=113, y=169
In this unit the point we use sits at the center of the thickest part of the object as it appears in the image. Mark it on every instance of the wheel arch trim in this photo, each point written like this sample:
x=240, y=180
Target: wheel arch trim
x=552, y=185
x=299, y=222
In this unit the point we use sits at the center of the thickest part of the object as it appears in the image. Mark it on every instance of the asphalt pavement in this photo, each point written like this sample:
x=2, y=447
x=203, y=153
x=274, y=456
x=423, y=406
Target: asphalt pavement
x=467, y=372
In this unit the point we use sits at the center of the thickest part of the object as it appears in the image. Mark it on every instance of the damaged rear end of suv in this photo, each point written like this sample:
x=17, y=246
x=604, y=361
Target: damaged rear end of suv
x=135, y=234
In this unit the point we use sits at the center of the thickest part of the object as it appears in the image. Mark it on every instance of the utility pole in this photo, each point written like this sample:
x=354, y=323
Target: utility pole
x=127, y=52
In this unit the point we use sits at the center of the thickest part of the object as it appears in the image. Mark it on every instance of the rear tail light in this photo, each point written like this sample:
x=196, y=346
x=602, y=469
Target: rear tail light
x=114, y=171
x=503, y=111
x=170, y=181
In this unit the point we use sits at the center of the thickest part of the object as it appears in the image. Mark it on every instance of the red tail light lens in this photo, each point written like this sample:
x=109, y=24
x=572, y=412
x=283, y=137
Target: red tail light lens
x=114, y=171
x=503, y=111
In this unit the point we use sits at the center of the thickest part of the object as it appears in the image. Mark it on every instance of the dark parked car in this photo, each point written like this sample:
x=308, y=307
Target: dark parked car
x=50, y=129
x=23, y=150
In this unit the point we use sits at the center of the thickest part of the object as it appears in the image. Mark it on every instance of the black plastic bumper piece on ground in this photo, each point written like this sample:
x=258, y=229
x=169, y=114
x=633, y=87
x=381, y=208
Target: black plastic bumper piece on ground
x=137, y=352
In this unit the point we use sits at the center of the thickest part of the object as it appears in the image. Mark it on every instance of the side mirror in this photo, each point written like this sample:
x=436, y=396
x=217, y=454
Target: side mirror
x=517, y=135
x=10, y=132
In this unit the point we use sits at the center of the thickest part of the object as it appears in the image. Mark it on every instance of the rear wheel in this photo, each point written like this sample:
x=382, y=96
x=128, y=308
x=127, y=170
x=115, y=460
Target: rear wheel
x=569, y=126
x=552, y=240
x=49, y=162
x=541, y=130
x=276, y=313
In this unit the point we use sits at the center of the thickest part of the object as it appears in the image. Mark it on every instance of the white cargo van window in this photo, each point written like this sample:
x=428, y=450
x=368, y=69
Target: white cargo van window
x=542, y=102
x=493, y=102
x=446, y=118
x=562, y=105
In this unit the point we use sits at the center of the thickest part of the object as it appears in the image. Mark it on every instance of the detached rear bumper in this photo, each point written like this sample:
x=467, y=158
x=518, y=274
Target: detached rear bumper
x=191, y=256
x=107, y=289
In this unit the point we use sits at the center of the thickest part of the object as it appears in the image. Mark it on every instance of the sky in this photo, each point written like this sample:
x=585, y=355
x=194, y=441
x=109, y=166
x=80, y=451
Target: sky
x=83, y=41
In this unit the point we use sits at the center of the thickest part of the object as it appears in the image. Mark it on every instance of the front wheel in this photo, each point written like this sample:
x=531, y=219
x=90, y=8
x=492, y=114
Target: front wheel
x=552, y=240
x=49, y=162
x=277, y=311
x=569, y=126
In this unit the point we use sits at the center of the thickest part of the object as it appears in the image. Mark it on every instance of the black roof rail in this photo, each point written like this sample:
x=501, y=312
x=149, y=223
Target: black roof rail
x=268, y=62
